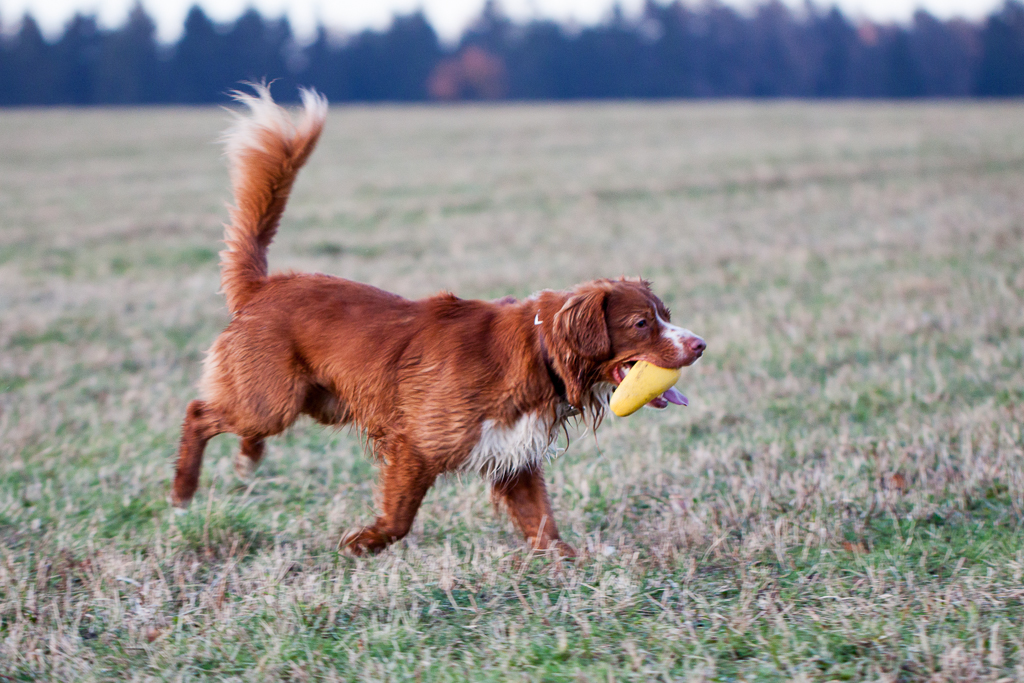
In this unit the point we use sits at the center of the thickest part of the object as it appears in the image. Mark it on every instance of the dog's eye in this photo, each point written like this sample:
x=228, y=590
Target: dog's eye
x=641, y=323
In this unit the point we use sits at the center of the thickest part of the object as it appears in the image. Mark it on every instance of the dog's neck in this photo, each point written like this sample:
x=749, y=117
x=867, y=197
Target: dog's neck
x=556, y=381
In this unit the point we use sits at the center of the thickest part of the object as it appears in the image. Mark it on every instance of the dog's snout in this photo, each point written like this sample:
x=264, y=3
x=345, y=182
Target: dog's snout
x=696, y=345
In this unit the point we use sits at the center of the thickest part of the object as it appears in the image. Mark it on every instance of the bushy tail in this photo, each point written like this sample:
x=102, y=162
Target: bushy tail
x=265, y=150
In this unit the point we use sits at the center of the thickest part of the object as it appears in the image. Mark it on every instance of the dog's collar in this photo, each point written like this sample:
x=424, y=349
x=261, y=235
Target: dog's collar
x=556, y=381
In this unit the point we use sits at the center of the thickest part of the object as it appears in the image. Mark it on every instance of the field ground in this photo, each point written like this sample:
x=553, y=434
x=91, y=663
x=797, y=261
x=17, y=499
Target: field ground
x=842, y=500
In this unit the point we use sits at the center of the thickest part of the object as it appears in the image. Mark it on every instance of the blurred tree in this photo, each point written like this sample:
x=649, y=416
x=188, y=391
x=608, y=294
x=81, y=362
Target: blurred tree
x=608, y=60
x=904, y=74
x=674, y=49
x=76, y=56
x=944, y=53
x=474, y=73
x=725, y=42
x=255, y=49
x=393, y=65
x=324, y=66
x=199, y=69
x=832, y=57
x=775, y=61
x=29, y=67
x=1001, y=71
x=537, y=64
x=127, y=69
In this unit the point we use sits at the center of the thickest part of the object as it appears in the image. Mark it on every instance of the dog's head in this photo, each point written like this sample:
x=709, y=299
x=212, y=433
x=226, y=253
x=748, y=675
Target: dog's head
x=606, y=326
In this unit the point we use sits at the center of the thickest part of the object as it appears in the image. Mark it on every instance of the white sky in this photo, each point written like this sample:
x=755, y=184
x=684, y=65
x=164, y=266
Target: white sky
x=448, y=17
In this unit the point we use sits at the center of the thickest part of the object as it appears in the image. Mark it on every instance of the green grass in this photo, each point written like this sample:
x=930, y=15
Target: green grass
x=843, y=499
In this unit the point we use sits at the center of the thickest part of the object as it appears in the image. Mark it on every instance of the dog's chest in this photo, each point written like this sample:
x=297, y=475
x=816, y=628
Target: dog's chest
x=503, y=450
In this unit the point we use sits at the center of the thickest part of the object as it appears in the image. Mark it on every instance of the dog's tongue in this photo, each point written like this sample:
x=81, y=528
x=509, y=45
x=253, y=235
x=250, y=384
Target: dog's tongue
x=673, y=395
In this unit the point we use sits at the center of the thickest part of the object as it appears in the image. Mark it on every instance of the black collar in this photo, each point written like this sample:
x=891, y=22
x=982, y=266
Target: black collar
x=556, y=381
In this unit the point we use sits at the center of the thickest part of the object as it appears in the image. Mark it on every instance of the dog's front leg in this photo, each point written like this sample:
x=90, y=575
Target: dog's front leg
x=405, y=478
x=525, y=497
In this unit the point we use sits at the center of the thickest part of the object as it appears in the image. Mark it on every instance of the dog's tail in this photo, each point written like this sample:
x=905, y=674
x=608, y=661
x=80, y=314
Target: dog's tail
x=265, y=151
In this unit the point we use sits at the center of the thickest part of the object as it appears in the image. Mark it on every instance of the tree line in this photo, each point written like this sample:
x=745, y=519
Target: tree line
x=669, y=50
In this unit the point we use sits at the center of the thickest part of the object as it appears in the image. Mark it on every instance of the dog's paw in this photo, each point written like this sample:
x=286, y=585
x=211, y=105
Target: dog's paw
x=179, y=506
x=566, y=551
x=556, y=546
x=245, y=467
x=365, y=541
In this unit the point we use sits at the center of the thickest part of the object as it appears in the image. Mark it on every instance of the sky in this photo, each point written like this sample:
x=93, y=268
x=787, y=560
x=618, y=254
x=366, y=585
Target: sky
x=448, y=17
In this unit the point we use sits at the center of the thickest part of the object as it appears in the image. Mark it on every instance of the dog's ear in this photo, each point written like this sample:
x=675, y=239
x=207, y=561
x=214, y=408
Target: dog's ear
x=580, y=341
x=581, y=324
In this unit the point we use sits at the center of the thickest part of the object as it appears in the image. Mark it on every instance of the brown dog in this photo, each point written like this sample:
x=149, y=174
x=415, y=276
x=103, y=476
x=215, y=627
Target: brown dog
x=438, y=385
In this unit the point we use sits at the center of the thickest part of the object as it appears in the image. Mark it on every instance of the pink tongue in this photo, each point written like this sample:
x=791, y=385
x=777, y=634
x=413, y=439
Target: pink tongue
x=674, y=396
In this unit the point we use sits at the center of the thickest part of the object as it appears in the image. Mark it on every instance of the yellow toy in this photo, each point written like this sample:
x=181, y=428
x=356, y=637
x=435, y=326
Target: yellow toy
x=642, y=384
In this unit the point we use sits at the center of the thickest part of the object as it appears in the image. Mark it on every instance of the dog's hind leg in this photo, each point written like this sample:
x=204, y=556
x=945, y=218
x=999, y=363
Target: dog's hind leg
x=202, y=423
x=248, y=457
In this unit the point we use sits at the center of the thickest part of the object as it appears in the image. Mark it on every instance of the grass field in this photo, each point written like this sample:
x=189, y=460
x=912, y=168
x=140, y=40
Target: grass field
x=842, y=500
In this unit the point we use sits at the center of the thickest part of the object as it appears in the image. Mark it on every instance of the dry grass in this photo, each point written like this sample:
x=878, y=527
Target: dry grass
x=842, y=500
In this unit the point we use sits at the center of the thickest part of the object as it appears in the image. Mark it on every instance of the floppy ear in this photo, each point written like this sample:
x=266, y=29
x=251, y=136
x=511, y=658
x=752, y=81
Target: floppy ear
x=581, y=323
x=579, y=342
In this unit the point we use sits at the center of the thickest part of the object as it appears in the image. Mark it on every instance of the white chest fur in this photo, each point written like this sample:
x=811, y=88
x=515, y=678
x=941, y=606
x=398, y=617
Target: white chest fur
x=529, y=441
x=504, y=450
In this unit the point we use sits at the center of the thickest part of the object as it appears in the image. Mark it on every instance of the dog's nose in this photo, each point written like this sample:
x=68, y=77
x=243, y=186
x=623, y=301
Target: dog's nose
x=696, y=345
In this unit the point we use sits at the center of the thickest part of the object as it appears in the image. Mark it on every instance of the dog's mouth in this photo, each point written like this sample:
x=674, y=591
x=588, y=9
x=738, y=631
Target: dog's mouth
x=670, y=395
